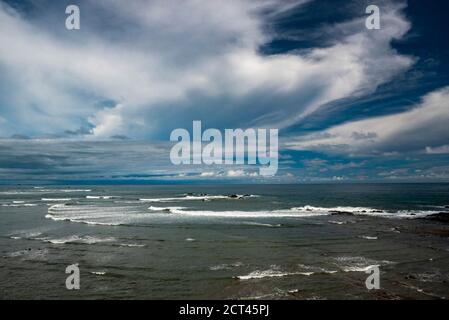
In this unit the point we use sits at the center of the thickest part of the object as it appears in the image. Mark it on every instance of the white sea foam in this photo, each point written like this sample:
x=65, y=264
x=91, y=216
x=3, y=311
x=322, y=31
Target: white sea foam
x=404, y=214
x=100, y=214
x=15, y=192
x=316, y=269
x=153, y=208
x=100, y=197
x=132, y=245
x=249, y=214
x=257, y=224
x=98, y=273
x=20, y=205
x=159, y=199
x=185, y=198
x=369, y=237
x=55, y=199
x=270, y=273
x=306, y=211
x=63, y=218
x=275, y=271
x=94, y=214
x=79, y=239
x=193, y=197
x=226, y=266
x=359, y=264
x=24, y=234
x=30, y=254
x=360, y=269
x=337, y=222
x=41, y=190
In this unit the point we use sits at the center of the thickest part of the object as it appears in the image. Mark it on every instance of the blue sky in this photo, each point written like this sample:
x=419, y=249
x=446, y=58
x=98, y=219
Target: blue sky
x=98, y=104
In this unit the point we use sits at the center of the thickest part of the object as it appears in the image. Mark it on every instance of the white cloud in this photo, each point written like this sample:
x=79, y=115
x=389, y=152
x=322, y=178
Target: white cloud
x=160, y=56
x=236, y=173
x=207, y=174
x=438, y=150
x=423, y=127
x=108, y=122
x=240, y=173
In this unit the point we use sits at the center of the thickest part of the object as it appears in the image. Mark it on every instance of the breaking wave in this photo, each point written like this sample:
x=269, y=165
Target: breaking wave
x=78, y=239
x=293, y=212
x=273, y=272
x=358, y=264
x=94, y=215
x=198, y=197
x=100, y=197
x=165, y=209
x=19, y=204
x=98, y=214
x=55, y=199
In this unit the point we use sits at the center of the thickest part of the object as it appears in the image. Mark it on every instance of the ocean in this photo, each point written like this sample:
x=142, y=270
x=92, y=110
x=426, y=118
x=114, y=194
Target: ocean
x=225, y=242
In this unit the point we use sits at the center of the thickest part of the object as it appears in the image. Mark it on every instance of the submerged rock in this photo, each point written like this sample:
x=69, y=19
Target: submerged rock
x=341, y=213
x=440, y=217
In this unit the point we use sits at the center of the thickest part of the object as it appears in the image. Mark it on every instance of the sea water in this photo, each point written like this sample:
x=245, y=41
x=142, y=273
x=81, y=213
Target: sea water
x=222, y=242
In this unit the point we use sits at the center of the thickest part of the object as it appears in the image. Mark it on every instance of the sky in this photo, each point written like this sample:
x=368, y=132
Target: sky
x=98, y=104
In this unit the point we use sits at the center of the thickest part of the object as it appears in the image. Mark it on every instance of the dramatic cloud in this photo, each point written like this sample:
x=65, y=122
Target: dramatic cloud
x=141, y=69
x=100, y=103
x=422, y=128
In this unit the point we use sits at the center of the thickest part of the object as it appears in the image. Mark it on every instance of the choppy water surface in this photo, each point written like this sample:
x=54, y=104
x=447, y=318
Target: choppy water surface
x=221, y=242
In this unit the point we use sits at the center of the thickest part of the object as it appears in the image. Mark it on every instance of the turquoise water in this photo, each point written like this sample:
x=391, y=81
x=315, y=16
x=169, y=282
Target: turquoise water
x=222, y=242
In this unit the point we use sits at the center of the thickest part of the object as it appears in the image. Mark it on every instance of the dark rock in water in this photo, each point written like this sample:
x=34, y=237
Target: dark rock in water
x=446, y=207
x=440, y=217
x=233, y=196
x=341, y=213
x=395, y=229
